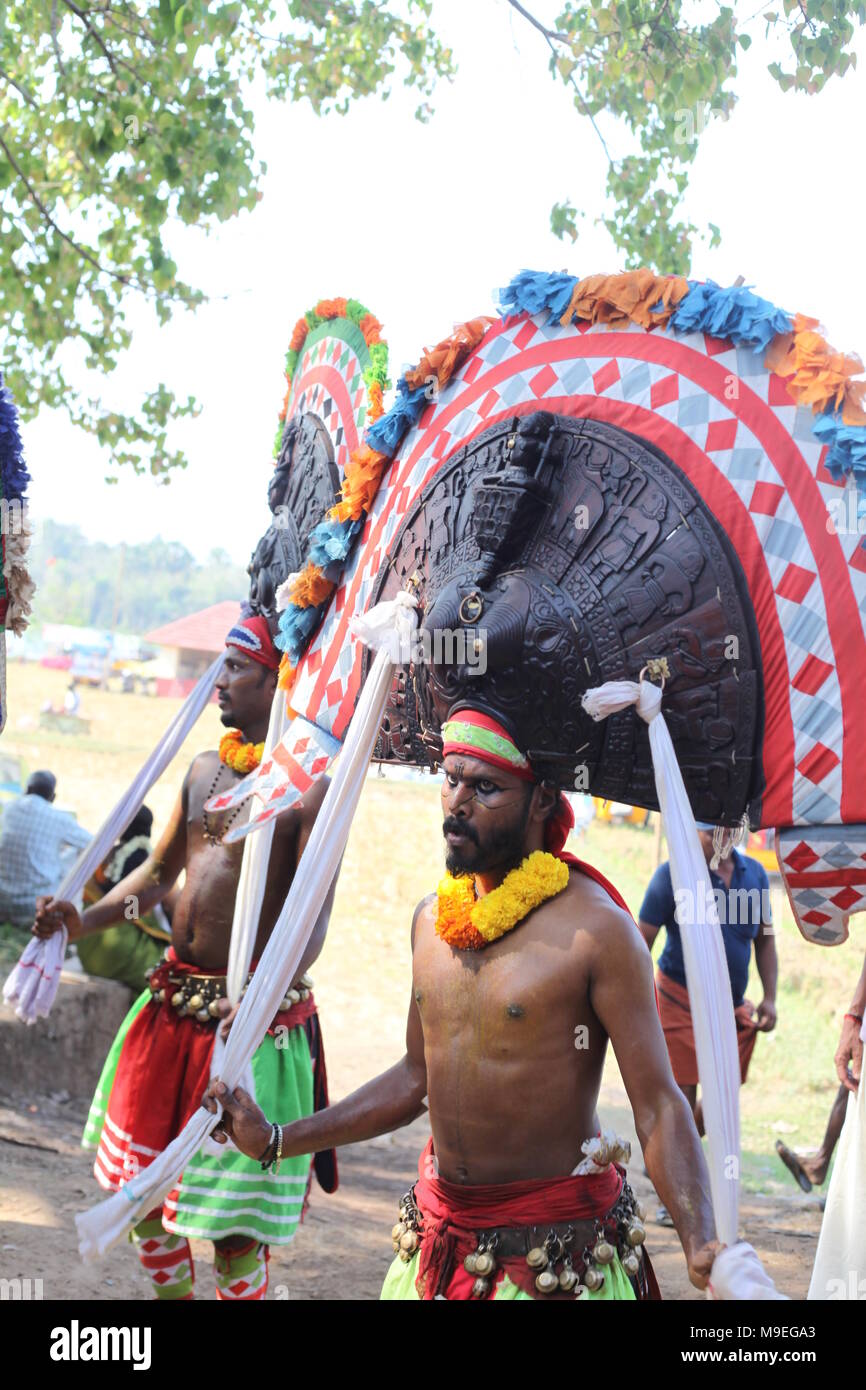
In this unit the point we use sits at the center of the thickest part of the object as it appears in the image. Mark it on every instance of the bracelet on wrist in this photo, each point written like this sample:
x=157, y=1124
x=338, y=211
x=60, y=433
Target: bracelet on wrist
x=266, y=1158
x=278, y=1152
x=858, y=1018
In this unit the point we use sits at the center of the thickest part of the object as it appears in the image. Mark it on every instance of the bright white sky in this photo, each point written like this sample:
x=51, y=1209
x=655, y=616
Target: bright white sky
x=423, y=223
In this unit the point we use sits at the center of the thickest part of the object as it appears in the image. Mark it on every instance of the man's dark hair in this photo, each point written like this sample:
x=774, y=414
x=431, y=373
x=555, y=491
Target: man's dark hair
x=42, y=784
x=141, y=824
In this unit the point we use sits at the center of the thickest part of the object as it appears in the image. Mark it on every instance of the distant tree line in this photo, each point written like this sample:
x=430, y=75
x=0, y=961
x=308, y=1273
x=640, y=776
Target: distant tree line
x=131, y=588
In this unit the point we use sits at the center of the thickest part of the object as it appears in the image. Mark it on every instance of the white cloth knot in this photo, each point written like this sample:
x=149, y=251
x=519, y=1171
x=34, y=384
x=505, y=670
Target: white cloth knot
x=389, y=625
x=614, y=696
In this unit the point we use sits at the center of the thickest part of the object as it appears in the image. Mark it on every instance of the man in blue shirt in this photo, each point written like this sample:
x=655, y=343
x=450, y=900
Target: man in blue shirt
x=742, y=895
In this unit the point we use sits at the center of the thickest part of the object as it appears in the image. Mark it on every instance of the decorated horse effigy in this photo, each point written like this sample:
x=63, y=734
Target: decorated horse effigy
x=619, y=470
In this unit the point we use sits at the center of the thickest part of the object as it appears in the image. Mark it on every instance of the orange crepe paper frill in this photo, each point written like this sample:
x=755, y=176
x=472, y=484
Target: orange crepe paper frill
x=331, y=308
x=620, y=300
x=360, y=484
x=299, y=335
x=442, y=361
x=817, y=375
x=376, y=406
x=286, y=677
x=311, y=587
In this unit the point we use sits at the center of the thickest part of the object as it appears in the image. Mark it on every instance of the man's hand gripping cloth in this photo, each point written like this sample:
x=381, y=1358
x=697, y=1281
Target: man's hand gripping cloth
x=451, y=1220
x=151, y=1085
x=32, y=985
x=101, y=1227
x=703, y=954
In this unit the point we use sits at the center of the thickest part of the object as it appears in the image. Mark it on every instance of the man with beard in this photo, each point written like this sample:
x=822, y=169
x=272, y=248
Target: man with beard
x=525, y=963
x=161, y=1059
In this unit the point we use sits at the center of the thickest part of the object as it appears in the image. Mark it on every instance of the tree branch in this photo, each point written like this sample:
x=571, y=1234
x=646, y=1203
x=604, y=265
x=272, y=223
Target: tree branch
x=79, y=250
x=552, y=37
x=112, y=61
x=23, y=90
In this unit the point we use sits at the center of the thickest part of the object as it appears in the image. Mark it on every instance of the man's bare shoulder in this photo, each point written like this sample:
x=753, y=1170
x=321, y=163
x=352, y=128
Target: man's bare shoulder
x=423, y=914
x=204, y=764
x=599, y=920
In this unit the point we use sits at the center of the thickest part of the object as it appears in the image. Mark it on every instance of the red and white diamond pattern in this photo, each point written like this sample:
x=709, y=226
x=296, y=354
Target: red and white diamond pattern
x=731, y=426
x=824, y=872
x=324, y=388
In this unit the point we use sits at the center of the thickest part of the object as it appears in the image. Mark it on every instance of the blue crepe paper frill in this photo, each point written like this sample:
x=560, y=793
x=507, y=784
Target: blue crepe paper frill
x=13, y=474
x=847, y=452
x=331, y=542
x=531, y=291
x=296, y=625
x=386, y=433
x=734, y=313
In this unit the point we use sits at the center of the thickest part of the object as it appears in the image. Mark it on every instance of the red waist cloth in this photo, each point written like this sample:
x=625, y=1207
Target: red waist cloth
x=676, y=1020
x=454, y=1214
x=164, y=1070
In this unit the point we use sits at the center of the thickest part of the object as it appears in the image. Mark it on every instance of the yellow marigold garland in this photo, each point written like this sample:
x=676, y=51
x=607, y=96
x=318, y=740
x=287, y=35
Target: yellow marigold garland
x=239, y=756
x=469, y=923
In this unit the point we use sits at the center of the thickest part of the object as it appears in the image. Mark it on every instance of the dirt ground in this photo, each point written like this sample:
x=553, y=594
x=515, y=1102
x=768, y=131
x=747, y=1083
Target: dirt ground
x=343, y=1248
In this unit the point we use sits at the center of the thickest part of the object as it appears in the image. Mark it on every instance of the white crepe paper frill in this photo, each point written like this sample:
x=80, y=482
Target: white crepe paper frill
x=103, y=1225
x=706, y=967
x=43, y=959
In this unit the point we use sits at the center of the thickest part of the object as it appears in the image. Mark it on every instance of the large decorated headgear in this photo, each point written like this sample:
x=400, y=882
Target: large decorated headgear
x=252, y=636
x=620, y=474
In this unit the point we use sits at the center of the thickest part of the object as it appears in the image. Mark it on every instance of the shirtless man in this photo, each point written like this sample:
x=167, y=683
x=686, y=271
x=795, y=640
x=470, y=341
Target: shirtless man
x=160, y=1061
x=506, y=1038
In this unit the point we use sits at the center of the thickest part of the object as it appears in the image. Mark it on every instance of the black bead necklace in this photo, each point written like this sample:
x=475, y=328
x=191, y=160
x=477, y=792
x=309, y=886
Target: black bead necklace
x=206, y=824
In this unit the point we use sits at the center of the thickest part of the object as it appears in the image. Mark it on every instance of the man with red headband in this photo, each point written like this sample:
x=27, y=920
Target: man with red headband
x=525, y=963
x=160, y=1062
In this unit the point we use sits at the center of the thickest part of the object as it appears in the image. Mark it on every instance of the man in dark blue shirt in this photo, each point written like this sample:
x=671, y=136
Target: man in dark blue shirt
x=742, y=895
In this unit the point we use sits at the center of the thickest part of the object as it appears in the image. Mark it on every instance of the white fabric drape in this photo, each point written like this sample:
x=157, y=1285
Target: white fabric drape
x=840, y=1259
x=103, y=1225
x=254, y=868
x=32, y=985
x=706, y=967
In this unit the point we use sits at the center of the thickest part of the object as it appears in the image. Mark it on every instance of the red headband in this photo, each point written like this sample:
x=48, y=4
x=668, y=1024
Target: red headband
x=253, y=636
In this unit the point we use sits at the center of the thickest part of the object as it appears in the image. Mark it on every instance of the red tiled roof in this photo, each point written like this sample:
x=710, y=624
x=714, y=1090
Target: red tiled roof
x=205, y=631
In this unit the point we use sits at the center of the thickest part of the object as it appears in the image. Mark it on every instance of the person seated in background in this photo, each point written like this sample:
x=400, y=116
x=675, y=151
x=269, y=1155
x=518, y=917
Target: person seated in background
x=126, y=952
x=72, y=699
x=33, y=838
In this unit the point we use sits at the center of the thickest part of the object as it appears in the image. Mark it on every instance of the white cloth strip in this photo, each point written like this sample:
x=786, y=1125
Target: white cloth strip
x=33, y=998
x=254, y=870
x=103, y=1225
x=707, y=977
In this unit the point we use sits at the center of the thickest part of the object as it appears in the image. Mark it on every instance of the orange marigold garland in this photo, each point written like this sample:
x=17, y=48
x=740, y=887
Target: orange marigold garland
x=239, y=756
x=469, y=923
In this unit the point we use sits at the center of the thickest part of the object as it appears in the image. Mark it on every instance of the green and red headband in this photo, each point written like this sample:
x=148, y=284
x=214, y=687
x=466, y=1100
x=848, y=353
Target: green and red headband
x=477, y=735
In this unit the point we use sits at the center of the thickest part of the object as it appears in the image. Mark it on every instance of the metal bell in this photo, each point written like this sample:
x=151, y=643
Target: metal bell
x=213, y=1008
x=603, y=1252
x=481, y=1288
x=547, y=1281
x=196, y=1003
x=409, y=1241
x=631, y=1264
x=593, y=1278
x=305, y=982
x=636, y=1234
x=405, y=1255
x=177, y=999
x=567, y=1279
x=484, y=1264
x=284, y=1005
x=470, y=1263
x=305, y=994
x=293, y=996
x=581, y=1291
x=397, y=1231
x=537, y=1257
x=202, y=1015
x=161, y=996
